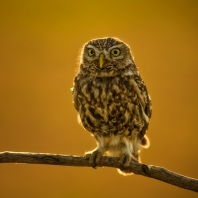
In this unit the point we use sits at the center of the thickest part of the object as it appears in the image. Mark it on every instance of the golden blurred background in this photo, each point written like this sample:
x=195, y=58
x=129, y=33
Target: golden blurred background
x=39, y=48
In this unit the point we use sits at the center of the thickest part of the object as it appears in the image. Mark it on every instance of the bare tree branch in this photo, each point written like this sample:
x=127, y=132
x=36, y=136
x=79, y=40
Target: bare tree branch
x=151, y=171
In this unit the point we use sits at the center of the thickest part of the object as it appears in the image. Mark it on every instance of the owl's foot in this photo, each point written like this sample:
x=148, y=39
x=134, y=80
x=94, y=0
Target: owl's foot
x=94, y=157
x=125, y=160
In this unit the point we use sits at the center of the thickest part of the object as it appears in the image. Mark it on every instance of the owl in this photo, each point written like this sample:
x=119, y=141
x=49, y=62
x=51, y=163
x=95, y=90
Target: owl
x=112, y=101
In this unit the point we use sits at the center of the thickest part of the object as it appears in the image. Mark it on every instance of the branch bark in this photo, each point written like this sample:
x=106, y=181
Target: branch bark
x=151, y=171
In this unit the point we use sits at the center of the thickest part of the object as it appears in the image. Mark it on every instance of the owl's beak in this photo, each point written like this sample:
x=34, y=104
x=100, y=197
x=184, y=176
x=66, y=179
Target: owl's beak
x=101, y=60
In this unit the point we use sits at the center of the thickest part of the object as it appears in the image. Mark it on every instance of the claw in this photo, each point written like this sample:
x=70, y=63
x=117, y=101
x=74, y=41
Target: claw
x=94, y=158
x=125, y=160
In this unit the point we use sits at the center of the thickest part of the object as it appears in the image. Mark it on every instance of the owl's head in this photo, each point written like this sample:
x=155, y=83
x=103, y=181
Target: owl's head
x=105, y=57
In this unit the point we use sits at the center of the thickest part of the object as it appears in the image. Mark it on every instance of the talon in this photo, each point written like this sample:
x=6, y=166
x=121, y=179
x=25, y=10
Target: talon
x=98, y=157
x=94, y=158
x=125, y=160
x=121, y=162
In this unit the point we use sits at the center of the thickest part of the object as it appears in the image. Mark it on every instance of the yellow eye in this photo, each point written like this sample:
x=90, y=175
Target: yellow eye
x=91, y=52
x=115, y=52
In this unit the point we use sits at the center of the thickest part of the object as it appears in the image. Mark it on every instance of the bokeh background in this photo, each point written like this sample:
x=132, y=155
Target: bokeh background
x=40, y=42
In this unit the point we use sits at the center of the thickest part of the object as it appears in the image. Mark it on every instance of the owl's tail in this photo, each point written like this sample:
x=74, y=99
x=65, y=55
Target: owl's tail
x=145, y=142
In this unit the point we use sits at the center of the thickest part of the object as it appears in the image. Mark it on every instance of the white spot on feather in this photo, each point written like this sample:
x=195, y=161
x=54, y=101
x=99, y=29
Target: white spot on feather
x=128, y=73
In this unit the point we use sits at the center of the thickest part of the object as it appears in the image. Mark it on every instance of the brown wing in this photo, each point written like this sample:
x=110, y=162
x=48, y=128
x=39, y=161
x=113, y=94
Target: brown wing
x=146, y=102
x=75, y=98
x=144, y=93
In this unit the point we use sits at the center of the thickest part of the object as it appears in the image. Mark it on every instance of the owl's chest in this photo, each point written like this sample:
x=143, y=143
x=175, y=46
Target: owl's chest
x=104, y=93
x=106, y=103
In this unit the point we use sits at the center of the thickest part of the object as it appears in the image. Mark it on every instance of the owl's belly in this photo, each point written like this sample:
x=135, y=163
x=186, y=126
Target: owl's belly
x=110, y=109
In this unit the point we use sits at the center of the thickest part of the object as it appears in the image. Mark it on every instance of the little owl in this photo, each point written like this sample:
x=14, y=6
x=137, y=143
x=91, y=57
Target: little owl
x=112, y=101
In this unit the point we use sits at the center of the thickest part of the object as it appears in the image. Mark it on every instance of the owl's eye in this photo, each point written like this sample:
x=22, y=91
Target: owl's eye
x=115, y=52
x=91, y=52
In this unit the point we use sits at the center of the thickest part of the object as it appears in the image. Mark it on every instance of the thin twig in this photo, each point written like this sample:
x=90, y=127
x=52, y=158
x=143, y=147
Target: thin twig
x=151, y=171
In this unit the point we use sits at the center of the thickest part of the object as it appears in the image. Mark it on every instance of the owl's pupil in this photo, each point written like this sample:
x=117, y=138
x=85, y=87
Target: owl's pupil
x=115, y=52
